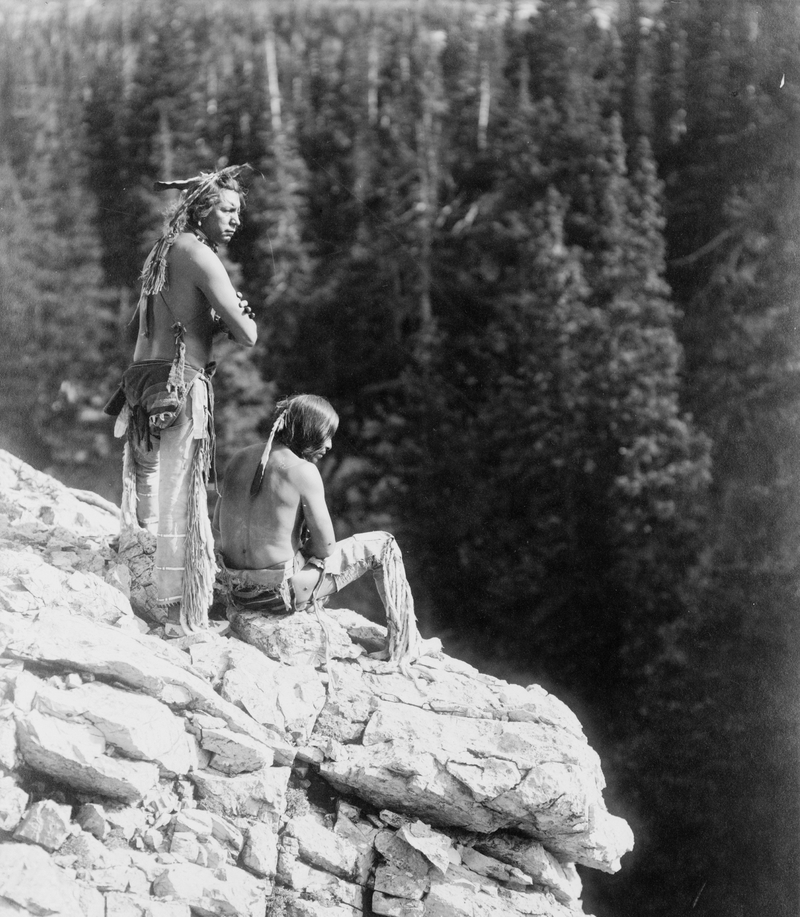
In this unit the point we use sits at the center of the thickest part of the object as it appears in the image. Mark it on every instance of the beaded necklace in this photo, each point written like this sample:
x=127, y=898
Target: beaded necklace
x=202, y=237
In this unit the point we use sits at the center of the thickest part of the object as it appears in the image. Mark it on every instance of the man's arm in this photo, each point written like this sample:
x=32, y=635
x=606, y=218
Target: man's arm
x=315, y=510
x=212, y=279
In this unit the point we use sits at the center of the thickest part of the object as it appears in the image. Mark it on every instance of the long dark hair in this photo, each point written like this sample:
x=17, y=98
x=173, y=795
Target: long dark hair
x=309, y=420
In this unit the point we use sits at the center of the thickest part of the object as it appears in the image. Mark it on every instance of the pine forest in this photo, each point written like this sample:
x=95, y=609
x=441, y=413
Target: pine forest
x=544, y=259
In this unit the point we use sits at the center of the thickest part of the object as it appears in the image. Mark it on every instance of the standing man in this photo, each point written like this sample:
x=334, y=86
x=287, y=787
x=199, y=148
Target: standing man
x=276, y=546
x=165, y=400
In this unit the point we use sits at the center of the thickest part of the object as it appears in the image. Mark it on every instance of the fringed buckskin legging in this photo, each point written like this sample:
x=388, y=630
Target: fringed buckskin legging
x=377, y=552
x=171, y=503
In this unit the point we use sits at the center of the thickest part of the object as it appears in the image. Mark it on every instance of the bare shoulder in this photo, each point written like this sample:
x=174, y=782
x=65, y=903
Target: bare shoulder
x=305, y=476
x=243, y=463
x=188, y=252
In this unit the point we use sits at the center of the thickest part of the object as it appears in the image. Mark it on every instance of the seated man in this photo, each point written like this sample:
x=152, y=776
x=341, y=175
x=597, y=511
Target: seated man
x=276, y=546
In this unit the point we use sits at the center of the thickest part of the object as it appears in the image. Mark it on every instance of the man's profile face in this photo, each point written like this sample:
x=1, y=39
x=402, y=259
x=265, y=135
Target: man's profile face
x=223, y=221
x=319, y=453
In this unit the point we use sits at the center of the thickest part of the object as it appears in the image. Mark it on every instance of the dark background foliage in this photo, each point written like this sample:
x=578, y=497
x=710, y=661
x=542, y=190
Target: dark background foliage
x=544, y=261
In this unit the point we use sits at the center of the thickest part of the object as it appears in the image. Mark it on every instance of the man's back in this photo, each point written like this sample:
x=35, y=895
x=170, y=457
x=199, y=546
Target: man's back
x=262, y=531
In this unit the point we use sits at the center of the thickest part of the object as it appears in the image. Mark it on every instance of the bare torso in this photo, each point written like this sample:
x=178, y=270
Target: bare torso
x=182, y=301
x=262, y=531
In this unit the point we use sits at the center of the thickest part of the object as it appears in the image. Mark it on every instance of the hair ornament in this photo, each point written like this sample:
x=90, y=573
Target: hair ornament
x=258, y=477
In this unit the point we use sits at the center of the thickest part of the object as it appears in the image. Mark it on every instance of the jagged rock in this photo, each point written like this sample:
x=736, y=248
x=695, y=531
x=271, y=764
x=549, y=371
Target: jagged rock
x=87, y=852
x=37, y=583
x=92, y=818
x=286, y=698
x=260, y=850
x=320, y=847
x=30, y=883
x=389, y=906
x=234, y=753
x=45, y=823
x=463, y=893
x=139, y=727
x=260, y=796
x=485, y=775
x=140, y=662
x=531, y=858
x=226, y=833
x=193, y=821
x=298, y=639
x=13, y=802
x=120, y=879
x=126, y=821
x=8, y=738
x=227, y=892
x=74, y=755
x=118, y=904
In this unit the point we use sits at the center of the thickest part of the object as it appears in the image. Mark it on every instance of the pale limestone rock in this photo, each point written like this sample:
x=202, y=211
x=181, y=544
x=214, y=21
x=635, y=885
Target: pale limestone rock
x=462, y=893
x=226, y=833
x=361, y=835
x=234, y=753
x=74, y=755
x=488, y=866
x=147, y=863
x=30, y=883
x=351, y=824
x=286, y=698
x=120, y=879
x=126, y=820
x=32, y=491
x=211, y=659
x=154, y=839
x=88, y=852
x=300, y=907
x=143, y=663
x=193, y=821
x=140, y=727
x=46, y=823
x=530, y=857
x=214, y=854
x=137, y=548
x=185, y=847
x=260, y=796
x=297, y=639
x=398, y=883
x=36, y=583
x=436, y=847
x=13, y=802
x=227, y=892
x=92, y=818
x=388, y=906
x=320, y=847
x=120, y=904
x=92, y=902
x=260, y=850
x=485, y=775
x=321, y=887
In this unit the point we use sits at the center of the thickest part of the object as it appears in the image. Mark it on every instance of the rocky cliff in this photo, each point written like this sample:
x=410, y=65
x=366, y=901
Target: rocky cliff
x=279, y=771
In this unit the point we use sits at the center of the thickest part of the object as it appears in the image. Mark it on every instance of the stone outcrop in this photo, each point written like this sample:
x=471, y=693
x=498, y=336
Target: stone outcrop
x=272, y=766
